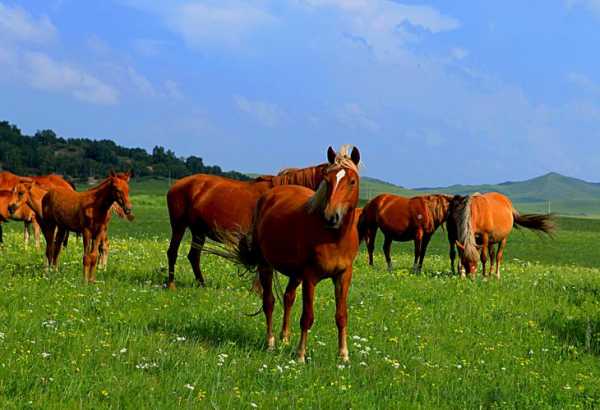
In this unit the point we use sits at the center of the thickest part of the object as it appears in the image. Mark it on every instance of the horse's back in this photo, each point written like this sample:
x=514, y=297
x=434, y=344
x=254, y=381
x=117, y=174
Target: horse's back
x=213, y=201
x=394, y=215
x=494, y=214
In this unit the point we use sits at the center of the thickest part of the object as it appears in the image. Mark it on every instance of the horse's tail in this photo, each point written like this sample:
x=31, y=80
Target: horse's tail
x=535, y=222
x=366, y=221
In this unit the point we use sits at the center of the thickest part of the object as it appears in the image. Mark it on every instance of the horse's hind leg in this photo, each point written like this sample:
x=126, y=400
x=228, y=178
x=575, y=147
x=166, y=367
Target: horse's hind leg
x=418, y=246
x=36, y=234
x=58, y=240
x=492, y=252
x=194, y=257
x=104, y=249
x=288, y=301
x=308, y=317
x=370, y=241
x=424, y=244
x=387, y=247
x=26, y=225
x=49, y=231
x=266, y=280
x=500, y=256
x=177, y=233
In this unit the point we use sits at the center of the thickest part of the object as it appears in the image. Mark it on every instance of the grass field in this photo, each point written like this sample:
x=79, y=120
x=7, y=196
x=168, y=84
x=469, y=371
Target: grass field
x=429, y=341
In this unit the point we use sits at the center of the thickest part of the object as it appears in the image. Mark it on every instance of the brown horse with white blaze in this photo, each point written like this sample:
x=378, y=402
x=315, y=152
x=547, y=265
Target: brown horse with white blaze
x=403, y=219
x=86, y=212
x=477, y=222
x=307, y=236
x=205, y=204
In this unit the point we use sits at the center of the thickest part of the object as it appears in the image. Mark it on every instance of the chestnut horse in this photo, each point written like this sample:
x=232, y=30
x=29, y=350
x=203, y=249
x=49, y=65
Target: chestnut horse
x=8, y=181
x=307, y=236
x=207, y=203
x=86, y=212
x=29, y=195
x=403, y=219
x=25, y=214
x=477, y=222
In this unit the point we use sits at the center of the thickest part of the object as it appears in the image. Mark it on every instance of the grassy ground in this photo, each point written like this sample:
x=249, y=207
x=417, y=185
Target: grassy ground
x=530, y=340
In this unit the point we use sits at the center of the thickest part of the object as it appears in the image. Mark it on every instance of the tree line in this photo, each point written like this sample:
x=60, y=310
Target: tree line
x=82, y=158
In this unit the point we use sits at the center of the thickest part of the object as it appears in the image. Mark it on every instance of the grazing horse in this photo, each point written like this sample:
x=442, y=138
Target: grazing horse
x=86, y=212
x=25, y=214
x=403, y=219
x=307, y=236
x=477, y=222
x=207, y=203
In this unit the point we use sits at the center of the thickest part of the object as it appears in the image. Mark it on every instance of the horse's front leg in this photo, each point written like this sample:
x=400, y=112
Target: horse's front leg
x=87, y=245
x=95, y=246
x=342, y=285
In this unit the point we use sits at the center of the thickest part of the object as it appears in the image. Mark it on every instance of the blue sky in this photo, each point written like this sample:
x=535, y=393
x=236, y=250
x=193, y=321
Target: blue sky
x=433, y=93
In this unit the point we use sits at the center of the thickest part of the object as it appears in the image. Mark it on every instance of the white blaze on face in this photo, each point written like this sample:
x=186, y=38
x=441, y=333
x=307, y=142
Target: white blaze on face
x=338, y=177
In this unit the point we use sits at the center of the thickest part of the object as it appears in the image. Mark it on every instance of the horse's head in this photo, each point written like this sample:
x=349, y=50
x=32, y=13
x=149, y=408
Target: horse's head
x=20, y=196
x=469, y=257
x=120, y=190
x=339, y=189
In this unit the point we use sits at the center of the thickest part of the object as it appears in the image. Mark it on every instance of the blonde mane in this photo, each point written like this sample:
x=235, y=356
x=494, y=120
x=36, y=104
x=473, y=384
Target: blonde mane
x=461, y=213
x=342, y=160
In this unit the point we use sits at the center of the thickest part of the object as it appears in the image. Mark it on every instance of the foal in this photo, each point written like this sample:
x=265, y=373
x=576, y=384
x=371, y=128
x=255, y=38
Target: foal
x=7, y=212
x=85, y=212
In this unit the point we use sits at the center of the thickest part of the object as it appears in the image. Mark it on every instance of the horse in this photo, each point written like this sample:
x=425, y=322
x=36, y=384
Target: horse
x=403, y=219
x=477, y=222
x=9, y=181
x=25, y=214
x=207, y=203
x=30, y=195
x=86, y=212
x=307, y=236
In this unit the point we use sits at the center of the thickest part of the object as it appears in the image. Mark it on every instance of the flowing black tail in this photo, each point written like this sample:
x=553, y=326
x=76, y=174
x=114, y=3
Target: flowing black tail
x=536, y=222
x=237, y=247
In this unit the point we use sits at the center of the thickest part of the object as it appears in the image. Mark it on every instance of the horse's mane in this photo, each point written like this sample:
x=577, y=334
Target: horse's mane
x=461, y=214
x=342, y=160
x=438, y=205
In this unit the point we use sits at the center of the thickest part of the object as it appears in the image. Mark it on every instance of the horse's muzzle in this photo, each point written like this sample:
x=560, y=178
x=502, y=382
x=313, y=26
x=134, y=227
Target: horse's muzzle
x=12, y=208
x=333, y=221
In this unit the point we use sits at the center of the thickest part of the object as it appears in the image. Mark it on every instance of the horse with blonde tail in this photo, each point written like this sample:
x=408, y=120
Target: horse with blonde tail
x=478, y=222
x=308, y=236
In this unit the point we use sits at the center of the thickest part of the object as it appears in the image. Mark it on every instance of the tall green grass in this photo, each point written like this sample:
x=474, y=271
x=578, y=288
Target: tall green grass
x=531, y=340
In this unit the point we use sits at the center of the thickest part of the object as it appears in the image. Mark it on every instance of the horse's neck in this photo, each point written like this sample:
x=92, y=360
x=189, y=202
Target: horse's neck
x=309, y=177
x=102, y=197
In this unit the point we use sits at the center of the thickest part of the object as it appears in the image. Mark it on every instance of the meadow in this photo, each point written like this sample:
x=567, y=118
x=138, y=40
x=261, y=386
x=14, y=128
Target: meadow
x=530, y=340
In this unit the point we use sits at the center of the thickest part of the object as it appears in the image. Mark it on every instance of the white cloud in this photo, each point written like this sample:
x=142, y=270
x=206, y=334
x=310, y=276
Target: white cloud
x=148, y=47
x=353, y=116
x=590, y=5
x=42, y=72
x=141, y=83
x=459, y=53
x=383, y=25
x=584, y=82
x=269, y=115
x=18, y=25
x=223, y=23
x=172, y=90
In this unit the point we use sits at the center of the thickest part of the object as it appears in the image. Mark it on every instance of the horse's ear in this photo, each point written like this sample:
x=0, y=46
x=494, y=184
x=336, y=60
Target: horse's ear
x=331, y=155
x=112, y=173
x=355, y=156
x=460, y=245
x=131, y=173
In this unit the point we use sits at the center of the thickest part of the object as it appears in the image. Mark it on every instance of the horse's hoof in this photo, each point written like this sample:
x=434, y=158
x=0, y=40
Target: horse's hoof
x=301, y=359
x=285, y=340
x=170, y=286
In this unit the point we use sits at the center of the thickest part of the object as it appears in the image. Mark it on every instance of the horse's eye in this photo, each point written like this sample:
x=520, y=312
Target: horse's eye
x=353, y=182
